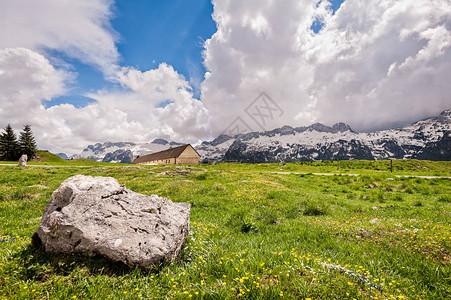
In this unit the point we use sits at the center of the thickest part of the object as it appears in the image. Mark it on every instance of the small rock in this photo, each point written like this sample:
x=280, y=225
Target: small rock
x=163, y=173
x=23, y=160
x=374, y=185
x=376, y=207
x=97, y=215
x=38, y=186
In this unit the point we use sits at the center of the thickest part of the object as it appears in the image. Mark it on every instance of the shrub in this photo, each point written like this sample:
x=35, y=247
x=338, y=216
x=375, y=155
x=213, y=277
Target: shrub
x=314, y=209
x=248, y=226
x=445, y=199
x=408, y=190
x=202, y=176
x=398, y=198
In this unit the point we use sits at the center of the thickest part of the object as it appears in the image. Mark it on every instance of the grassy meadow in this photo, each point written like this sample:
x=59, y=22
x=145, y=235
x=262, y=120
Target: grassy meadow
x=263, y=231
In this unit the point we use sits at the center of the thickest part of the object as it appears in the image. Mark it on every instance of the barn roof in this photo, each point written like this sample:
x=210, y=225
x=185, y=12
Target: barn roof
x=166, y=154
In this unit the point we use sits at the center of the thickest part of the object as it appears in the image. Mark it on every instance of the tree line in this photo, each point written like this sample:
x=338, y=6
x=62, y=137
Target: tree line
x=12, y=149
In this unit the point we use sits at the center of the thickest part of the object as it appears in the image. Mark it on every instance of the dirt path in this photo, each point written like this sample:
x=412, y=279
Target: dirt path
x=345, y=174
x=46, y=166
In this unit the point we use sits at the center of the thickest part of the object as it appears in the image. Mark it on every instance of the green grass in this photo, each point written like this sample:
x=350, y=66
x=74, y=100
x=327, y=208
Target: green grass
x=255, y=234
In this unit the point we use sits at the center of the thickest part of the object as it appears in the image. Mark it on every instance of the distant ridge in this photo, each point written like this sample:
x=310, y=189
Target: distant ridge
x=425, y=139
x=123, y=152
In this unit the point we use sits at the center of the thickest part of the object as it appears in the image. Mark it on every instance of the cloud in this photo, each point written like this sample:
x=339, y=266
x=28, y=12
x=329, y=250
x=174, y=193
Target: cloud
x=130, y=114
x=80, y=29
x=374, y=64
x=389, y=67
x=161, y=100
x=26, y=77
x=38, y=78
x=153, y=103
x=135, y=113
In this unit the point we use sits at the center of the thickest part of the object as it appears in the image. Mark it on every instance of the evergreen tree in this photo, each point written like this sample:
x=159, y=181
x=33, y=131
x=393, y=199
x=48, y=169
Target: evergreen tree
x=9, y=147
x=27, y=143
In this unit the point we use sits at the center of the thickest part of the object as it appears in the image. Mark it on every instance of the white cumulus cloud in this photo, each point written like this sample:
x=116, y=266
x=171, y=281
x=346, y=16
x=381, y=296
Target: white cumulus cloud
x=81, y=29
x=26, y=77
x=374, y=64
x=161, y=101
x=155, y=103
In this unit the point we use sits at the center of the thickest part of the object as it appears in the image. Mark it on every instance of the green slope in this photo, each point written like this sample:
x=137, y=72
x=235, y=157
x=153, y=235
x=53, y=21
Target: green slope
x=46, y=156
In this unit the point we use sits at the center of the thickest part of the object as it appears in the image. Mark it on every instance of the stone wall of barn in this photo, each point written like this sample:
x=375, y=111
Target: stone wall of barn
x=188, y=156
x=193, y=160
x=160, y=162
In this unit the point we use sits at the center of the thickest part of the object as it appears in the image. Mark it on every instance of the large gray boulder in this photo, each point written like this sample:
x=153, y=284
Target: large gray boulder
x=97, y=215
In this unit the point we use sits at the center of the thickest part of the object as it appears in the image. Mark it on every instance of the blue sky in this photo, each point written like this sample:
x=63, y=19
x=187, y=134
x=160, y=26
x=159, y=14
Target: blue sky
x=150, y=32
x=318, y=24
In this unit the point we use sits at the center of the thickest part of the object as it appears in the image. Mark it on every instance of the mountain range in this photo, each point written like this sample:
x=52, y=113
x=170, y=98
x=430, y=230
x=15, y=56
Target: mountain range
x=426, y=139
x=123, y=152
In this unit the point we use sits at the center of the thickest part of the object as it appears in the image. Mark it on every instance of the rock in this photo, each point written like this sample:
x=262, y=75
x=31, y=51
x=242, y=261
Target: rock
x=120, y=156
x=373, y=185
x=97, y=215
x=38, y=186
x=23, y=160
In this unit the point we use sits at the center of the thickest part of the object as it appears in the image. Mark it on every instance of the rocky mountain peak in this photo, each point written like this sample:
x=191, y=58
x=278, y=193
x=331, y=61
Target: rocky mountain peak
x=285, y=130
x=219, y=140
x=445, y=116
x=160, y=142
x=320, y=127
x=340, y=127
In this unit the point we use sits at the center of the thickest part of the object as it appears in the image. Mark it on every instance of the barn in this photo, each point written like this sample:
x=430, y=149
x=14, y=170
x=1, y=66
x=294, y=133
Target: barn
x=185, y=154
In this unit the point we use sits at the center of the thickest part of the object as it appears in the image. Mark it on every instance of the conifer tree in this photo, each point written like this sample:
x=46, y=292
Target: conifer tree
x=9, y=147
x=27, y=143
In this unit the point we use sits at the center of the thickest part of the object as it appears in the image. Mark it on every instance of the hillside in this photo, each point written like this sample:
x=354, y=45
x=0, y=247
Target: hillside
x=46, y=156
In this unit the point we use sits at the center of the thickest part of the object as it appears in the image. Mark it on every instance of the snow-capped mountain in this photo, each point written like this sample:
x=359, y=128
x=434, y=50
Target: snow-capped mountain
x=123, y=152
x=425, y=139
x=62, y=155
